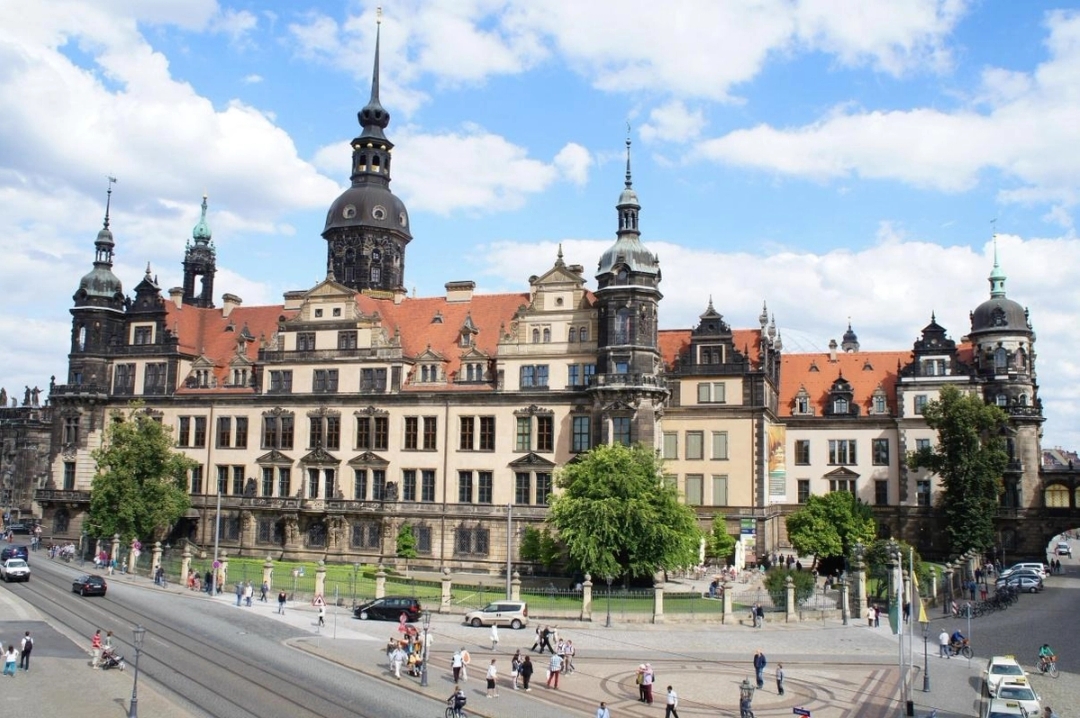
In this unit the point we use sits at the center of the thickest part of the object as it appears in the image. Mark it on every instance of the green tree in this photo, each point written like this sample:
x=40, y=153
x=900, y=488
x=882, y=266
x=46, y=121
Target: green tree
x=719, y=544
x=830, y=525
x=140, y=486
x=776, y=585
x=877, y=558
x=970, y=457
x=618, y=517
x=406, y=544
x=540, y=546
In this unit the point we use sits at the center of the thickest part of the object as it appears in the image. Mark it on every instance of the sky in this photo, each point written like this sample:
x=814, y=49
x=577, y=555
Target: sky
x=839, y=161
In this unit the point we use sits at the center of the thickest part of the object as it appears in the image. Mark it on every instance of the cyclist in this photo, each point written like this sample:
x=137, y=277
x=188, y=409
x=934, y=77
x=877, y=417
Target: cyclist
x=457, y=701
x=1046, y=654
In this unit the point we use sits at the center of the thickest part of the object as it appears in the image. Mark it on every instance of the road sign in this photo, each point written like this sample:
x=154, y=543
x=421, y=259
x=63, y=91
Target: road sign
x=801, y=712
x=318, y=600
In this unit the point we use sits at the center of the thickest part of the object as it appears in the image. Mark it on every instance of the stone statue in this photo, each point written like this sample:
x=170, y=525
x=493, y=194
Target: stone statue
x=249, y=487
x=26, y=397
x=391, y=491
x=3, y=397
x=35, y=395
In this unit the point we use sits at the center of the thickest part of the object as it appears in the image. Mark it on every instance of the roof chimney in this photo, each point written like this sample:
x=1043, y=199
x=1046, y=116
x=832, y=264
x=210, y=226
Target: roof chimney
x=176, y=294
x=460, y=291
x=230, y=302
x=832, y=350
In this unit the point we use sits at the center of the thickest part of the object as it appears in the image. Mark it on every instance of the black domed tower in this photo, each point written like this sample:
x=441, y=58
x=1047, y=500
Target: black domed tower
x=200, y=261
x=628, y=390
x=367, y=227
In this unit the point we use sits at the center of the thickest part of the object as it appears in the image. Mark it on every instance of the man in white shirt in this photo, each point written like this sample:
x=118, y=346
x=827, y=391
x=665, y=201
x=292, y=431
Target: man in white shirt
x=943, y=644
x=602, y=711
x=672, y=702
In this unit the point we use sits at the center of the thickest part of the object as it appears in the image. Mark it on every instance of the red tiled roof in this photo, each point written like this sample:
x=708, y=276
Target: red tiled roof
x=674, y=342
x=204, y=332
x=865, y=371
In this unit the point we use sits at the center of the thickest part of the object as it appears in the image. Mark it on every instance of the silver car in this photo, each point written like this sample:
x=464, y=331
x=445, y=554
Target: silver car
x=15, y=569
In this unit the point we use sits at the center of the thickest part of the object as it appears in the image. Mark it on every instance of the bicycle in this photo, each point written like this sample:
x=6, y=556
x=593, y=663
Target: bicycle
x=964, y=649
x=454, y=711
x=1046, y=664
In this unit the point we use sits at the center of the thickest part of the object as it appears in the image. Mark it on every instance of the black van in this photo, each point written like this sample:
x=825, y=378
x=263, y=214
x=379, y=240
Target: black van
x=389, y=608
x=15, y=552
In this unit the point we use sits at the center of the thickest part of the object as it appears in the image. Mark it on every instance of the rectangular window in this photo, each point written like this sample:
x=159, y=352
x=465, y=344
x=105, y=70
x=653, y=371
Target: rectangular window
x=378, y=484
x=423, y=539
x=545, y=433
x=574, y=376
x=71, y=430
x=921, y=444
x=695, y=445
x=199, y=438
x=124, y=379
x=224, y=432
x=363, y=432
x=881, y=492
x=720, y=445
x=223, y=480
x=487, y=433
x=920, y=403
x=922, y=492
x=802, y=452
x=842, y=451
x=271, y=432
x=329, y=483
x=286, y=432
x=238, y=480
x=693, y=489
x=881, y=452
x=485, y=487
x=284, y=478
x=465, y=487
x=268, y=481
x=360, y=484
x=305, y=341
x=333, y=433
x=196, y=479
x=524, y=434
x=671, y=445
x=154, y=378
x=582, y=437
x=373, y=380
x=534, y=376
x=412, y=433
x=144, y=335
x=431, y=433
x=241, y=432
x=69, y=476
x=847, y=485
x=880, y=405
x=346, y=340
x=313, y=483
x=466, y=433
x=281, y=381
x=183, y=431
x=315, y=432
x=719, y=490
x=804, y=490
x=522, y=486
x=543, y=488
x=712, y=392
x=620, y=426
x=325, y=381
x=427, y=485
x=382, y=433
x=408, y=485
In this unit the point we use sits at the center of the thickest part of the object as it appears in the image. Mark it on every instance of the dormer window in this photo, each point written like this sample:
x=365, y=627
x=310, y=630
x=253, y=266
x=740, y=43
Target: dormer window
x=879, y=403
x=473, y=371
x=840, y=406
x=465, y=339
x=802, y=403
x=429, y=373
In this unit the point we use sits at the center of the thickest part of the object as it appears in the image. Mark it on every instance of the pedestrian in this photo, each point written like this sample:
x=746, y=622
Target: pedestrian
x=264, y=590
x=492, y=676
x=95, y=648
x=239, y=592
x=24, y=653
x=759, y=668
x=536, y=643
x=554, y=669
x=494, y=636
x=455, y=665
x=877, y=617
x=640, y=680
x=396, y=659
x=281, y=598
x=546, y=636
x=760, y=616
x=870, y=616
x=11, y=657
x=568, y=655
x=515, y=667
x=943, y=644
x=466, y=659
x=249, y=592
x=602, y=711
x=322, y=616
x=526, y=672
x=780, y=679
x=647, y=681
x=672, y=703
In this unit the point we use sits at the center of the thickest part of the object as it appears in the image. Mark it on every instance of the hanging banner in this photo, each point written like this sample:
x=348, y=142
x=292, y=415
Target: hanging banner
x=777, y=439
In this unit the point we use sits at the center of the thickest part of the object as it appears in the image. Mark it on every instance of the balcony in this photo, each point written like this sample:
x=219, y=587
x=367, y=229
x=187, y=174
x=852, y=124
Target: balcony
x=79, y=390
x=66, y=495
x=314, y=355
x=628, y=380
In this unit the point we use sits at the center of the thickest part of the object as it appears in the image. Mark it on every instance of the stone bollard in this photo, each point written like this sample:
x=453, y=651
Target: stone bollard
x=586, y=598
x=515, y=586
x=114, y=555
x=268, y=571
x=729, y=616
x=320, y=579
x=155, y=559
x=447, y=582
x=790, y=613
x=380, y=581
x=658, y=603
x=185, y=564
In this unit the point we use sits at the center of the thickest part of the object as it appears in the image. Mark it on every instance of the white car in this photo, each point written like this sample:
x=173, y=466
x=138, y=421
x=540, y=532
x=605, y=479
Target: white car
x=1017, y=689
x=1039, y=568
x=1063, y=549
x=15, y=569
x=1000, y=669
x=998, y=708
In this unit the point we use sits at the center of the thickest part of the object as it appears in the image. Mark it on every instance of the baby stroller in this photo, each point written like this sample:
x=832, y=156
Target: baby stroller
x=111, y=659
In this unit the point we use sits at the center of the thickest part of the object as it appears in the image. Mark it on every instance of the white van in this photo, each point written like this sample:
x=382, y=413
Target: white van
x=1039, y=568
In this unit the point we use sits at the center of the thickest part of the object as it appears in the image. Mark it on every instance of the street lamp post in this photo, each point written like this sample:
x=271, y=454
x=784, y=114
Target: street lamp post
x=426, y=618
x=925, y=658
x=609, y=578
x=139, y=633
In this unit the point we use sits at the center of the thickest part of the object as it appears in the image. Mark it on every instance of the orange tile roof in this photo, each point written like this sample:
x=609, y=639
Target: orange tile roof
x=865, y=371
x=674, y=342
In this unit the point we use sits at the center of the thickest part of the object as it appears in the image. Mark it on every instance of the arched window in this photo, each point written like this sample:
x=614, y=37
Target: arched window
x=1023, y=400
x=583, y=334
x=547, y=335
x=1001, y=359
x=80, y=341
x=622, y=277
x=1056, y=497
x=376, y=274
x=535, y=336
x=622, y=326
x=573, y=335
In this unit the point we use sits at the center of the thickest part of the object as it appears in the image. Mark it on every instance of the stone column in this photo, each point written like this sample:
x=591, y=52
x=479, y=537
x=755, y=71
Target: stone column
x=114, y=554
x=380, y=582
x=268, y=571
x=586, y=598
x=185, y=564
x=948, y=588
x=155, y=559
x=515, y=586
x=658, y=603
x=729, y=616
x=844, y=601
x=444, y=598
x=858, y=575
x=132, y=556
x=320, y=579
x=933, y=586
x=790, y=613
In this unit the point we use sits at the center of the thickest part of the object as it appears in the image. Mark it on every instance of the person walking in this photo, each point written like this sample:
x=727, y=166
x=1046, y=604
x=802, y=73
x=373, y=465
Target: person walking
x=870, y=616
x=877, y=617
x=281, y=598
x=24, y=653
x=639, y=678
x=759, y=668
x=780, y=679
x=11, y=657
x=455, y=665
x=249, y=592
x=943, y=644
x=672, y=704
x=264, y=591
x=492, y=677
x=239, y=592
x=322, y=616
x=536, y=643
x=526, y=672
x=647, y=681
x=466, y=659
x=95, y=648
x=397, y=657
x=554, y=669
x=602, y=711
x=494, y=636
x=546, y=636
x=515, y=668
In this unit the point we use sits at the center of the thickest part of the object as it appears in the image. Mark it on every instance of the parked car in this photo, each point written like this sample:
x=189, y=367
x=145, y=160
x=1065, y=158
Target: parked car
x=15, y=569
x=1017, y=689
x=501, y=613
x=1063, y=549
x=22, y=552
x=389, y=608
x=1025, y=583
x=89, y=585
x=1000, y=669
x=998, y=708
x=1021, y=572
x=1040, y=568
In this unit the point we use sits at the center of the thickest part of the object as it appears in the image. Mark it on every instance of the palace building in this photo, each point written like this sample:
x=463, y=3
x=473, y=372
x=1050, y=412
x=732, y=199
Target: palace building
x=328, y=421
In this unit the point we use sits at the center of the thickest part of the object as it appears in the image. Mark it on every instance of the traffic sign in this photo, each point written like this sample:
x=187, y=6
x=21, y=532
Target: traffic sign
x=801, y=712
x=318, y=600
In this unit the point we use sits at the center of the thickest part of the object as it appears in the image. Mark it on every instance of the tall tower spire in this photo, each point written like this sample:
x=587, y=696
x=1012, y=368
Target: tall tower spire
x=997, y=276
x=104, y=245
x=373, y=117
x=200, y=261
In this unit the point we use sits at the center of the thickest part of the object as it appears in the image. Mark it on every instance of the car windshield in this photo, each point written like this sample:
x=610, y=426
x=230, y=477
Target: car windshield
x=16, y=563
x=1018, y=693
x=1007, y=669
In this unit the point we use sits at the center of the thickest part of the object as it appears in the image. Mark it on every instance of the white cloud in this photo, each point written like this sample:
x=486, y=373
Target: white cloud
x=236, y=24
x=673, y=122
x=574, y=162
x=1030, y=135
x=253, y=79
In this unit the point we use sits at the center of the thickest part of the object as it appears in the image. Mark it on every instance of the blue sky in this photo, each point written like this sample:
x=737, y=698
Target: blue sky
x=834, y=159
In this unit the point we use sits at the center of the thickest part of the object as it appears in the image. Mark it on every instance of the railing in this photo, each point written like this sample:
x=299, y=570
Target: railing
x=613, y=379
x=303, y=355
x=62, y=495
x=72, y=389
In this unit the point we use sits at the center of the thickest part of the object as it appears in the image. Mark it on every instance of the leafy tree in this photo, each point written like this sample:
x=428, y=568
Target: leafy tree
x=618, y=517
x=140, y=486
x=877, y=557
x=719, y=544
x=540, y=546
x=776, y=584
x=406, y=544
x=830, y=525
x=970, y=457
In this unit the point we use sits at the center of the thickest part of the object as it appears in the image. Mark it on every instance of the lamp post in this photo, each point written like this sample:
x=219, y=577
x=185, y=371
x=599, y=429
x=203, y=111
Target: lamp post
x=355, y=571
x=746, y=697
x=609, y=579
x=925, y=658
x=426, y=618
x=139, y=633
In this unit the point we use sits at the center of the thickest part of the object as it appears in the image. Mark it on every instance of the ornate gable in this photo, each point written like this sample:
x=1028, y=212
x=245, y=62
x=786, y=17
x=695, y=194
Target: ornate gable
x=532, y=461
x=319, y=456
x=274, y=458
x=368, y=459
